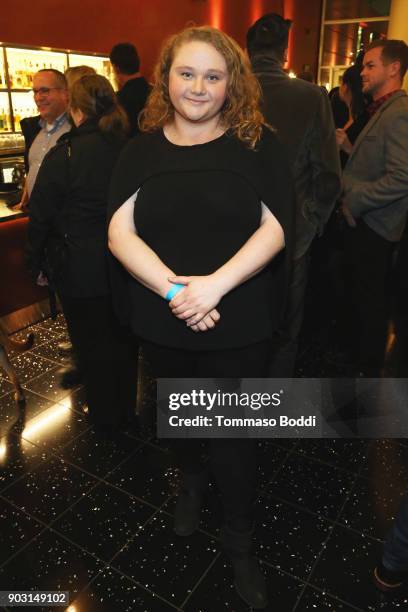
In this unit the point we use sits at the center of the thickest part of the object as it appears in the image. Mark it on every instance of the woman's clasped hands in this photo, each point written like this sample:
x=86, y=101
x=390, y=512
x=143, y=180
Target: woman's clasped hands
x=196, y=303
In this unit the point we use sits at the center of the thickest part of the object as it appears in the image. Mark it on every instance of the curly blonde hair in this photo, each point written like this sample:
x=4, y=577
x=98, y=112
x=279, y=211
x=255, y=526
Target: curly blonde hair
x=240, y=112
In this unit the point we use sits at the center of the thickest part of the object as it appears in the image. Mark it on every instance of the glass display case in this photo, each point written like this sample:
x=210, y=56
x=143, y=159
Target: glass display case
x=101, y=64
x=17, y=67
x=5, y=116
x=3, y=80
x=23, y=63
x=23, y=105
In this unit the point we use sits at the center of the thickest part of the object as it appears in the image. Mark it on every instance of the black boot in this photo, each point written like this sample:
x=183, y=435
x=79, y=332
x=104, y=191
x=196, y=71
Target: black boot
x=248, y=579
x=65, y=348
x=70, y=376
x=188, y=506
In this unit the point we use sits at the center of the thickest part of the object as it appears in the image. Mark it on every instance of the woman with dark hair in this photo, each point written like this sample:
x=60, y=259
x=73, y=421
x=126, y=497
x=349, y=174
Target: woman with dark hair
x=351, y=94
x=201, y=206
x=68, y=246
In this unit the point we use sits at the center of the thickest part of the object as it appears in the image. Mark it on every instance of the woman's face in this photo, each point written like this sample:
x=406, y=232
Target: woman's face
x=198, y=82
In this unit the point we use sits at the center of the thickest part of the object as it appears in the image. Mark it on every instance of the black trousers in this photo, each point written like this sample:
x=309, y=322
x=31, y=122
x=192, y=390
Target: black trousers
x=107, y=356
x=401, y=292
x=233, y=461
x=368, y=264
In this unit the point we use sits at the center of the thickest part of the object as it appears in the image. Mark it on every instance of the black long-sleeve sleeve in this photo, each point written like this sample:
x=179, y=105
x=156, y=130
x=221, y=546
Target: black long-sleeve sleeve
x=46, y=201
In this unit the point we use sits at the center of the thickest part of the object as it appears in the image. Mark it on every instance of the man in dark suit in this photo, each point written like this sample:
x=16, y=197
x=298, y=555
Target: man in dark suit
x=133, y=87
x=301, y=114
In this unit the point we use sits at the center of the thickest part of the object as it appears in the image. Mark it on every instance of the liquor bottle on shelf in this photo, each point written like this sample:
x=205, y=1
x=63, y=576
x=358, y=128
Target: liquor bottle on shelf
x=26, y=74
x=30, y=72
x=4, y=120
x=17, y=76
x=17, y=119
x=22, y=75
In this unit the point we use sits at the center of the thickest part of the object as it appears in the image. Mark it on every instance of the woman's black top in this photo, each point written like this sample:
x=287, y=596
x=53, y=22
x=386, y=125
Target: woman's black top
x=353, y=132
x=196, y=207
x=67, y=237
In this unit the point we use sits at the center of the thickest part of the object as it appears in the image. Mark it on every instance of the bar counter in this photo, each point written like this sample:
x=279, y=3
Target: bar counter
x=21, y=301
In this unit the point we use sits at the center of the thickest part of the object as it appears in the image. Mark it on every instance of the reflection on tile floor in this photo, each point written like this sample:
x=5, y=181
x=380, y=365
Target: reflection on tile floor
x=92, y=515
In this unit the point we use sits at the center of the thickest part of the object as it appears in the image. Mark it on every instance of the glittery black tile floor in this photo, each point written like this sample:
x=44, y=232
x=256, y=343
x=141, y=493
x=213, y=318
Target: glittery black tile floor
x=93, y=516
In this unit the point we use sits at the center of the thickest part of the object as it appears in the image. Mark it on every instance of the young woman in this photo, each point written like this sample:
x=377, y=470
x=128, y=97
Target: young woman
x=201, y=204
x=351, y=93
x=68, y=246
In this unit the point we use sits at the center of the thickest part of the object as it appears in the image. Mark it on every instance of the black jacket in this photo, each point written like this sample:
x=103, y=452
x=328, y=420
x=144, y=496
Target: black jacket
x=67, y=225
x=132, y=97
x=30, y=127
x=302, y=116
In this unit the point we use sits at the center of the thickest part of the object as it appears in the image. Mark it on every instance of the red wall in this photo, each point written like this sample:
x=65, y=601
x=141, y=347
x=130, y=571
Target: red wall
x=96, y=25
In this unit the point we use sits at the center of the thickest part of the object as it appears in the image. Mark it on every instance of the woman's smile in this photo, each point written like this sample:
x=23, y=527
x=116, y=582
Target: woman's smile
x=195, y=101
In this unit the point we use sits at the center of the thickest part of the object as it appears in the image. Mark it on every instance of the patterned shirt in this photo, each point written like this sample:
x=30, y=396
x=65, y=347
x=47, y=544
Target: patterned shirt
x=376, y=104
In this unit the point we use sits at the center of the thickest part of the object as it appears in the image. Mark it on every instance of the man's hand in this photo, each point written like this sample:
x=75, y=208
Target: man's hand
x=23, y=204
x=347, y=215
x=199, y=297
